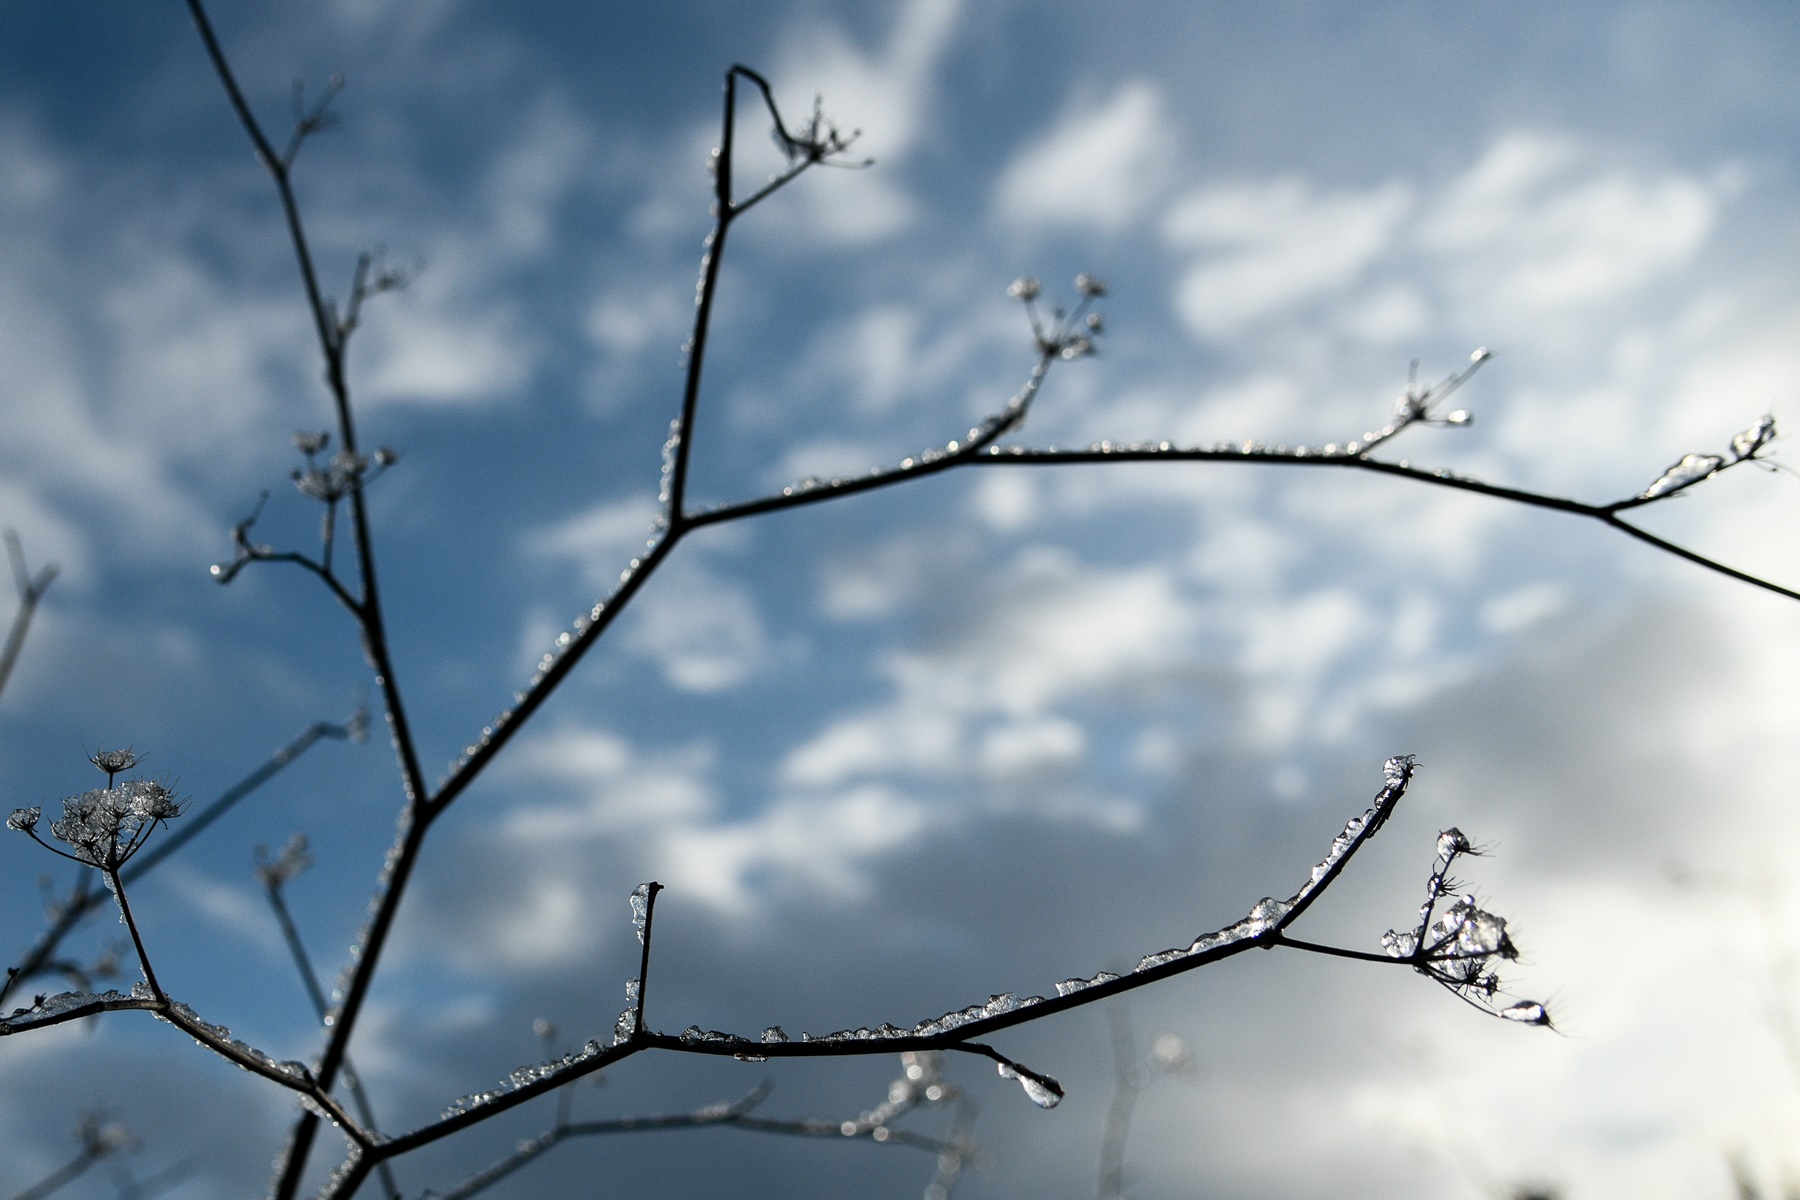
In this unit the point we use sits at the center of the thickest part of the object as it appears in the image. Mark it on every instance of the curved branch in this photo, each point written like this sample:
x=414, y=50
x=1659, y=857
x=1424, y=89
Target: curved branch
x=73, y=1006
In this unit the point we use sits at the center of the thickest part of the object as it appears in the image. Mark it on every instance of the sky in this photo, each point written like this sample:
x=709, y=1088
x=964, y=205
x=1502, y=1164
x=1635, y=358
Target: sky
x=982, y=732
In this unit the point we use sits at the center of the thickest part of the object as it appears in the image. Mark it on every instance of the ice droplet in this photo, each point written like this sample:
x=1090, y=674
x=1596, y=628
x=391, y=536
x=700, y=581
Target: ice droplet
x=1069, y=987
x=774, y=1035
x=671, y=447
x=1526, y=1012
x=1690, y=470
x=1483, y=933
x=1451, y=842
x=1747, y=443
x=1266, y=914
x=1399, y=945
x=1044, y=1091
x=640, y=909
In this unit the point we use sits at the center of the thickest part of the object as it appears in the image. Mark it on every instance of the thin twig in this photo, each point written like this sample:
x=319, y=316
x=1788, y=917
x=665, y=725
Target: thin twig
x=31, y=591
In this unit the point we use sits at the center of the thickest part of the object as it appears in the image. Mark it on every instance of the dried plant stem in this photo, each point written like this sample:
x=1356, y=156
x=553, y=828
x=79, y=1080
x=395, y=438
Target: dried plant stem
x=137, y=942
x=1117, y=1128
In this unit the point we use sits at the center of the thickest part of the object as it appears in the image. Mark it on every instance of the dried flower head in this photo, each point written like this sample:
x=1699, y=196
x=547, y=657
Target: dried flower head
x=293, y=859
x=105, y=826
x=335, y=481
x=1024, y=288
x=1087, y=285
x=309, y=443
x=113, y=762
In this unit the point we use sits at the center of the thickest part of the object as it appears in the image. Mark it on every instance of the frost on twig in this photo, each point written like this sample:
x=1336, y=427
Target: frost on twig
x=329, y=480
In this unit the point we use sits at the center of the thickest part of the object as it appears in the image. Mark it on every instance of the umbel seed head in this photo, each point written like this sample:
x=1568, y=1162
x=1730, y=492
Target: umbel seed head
x=114, y=761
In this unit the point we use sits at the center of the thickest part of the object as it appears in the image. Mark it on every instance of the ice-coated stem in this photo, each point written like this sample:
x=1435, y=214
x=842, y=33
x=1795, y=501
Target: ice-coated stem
x=646, y=895
x=143, y=957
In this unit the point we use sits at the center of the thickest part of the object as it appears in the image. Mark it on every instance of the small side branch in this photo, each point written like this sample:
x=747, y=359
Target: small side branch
x=31, y=590
x=99, y=1140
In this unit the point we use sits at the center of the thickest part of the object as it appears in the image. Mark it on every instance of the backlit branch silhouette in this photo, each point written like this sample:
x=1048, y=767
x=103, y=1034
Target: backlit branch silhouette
x=1455, y=942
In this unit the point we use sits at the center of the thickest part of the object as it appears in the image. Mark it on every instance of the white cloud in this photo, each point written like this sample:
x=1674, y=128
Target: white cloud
x=600, y=540
x=702, y=629
x=1268, y=247
x=668, y=802
x=229, y=908
x=1031, y=747
x=434, y=354
x=1535, y=224
x=1058, y=631
x=1100, y=166
x=645, y=316
x=1521, y=607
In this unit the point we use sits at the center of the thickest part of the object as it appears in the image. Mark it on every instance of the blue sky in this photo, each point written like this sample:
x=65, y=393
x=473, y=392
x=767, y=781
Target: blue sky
x=985, y=731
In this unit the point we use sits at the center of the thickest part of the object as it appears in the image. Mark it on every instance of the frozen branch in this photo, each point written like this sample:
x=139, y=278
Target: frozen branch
x=956, y=1031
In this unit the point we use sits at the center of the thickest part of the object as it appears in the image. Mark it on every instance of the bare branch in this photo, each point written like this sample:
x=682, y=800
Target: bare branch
x=31, y=590
x=99, y=1140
